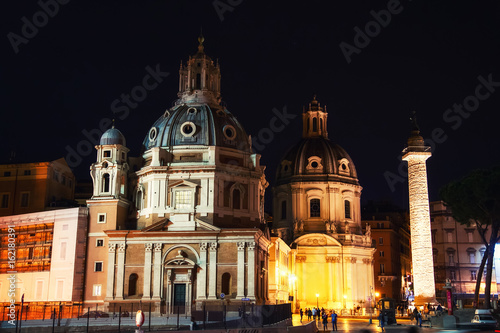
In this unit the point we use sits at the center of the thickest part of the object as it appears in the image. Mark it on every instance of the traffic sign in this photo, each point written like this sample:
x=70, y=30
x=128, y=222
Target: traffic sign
x=222, y=295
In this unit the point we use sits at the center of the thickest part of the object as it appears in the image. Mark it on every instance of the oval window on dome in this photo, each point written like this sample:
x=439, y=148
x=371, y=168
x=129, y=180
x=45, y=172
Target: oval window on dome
x=152, y=134
x=188, y=129
x=229, y=132
x=192, y=111
x=314, y=164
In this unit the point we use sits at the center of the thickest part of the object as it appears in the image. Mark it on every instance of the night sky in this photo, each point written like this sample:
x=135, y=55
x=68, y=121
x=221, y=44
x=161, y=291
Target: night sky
x=63, y=79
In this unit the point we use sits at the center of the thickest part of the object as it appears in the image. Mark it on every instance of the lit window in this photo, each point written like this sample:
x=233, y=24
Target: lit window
x=98, y=266
x=96, y=290
x=99, y=243
x=183, y=199
x=101, y=218
x=315, y=207
x=473, y=275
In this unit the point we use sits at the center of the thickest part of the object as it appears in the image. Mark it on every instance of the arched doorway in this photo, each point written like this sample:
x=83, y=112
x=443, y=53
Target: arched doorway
x=178, y=281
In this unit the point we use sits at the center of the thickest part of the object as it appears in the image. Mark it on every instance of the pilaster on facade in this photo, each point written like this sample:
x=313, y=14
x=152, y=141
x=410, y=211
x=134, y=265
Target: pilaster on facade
x=240, y=289
x=212, y=271
x=201, y=277
x=120, y=273
x=251, y=270
x=111, y=272
x=147, y=271
x=157, y=267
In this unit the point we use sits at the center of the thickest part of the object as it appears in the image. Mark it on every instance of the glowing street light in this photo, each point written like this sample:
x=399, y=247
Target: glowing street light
x=317, y=301
x=377, y=294
x=345, y=301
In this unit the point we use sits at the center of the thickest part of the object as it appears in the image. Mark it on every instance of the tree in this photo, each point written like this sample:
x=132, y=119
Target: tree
x=475, y=199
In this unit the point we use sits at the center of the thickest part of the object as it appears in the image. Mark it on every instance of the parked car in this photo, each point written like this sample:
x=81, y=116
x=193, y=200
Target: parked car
x=95, y=314
x=484, y=318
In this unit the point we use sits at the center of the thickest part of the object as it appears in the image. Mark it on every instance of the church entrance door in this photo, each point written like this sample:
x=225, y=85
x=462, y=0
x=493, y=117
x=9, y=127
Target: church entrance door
x=179, y=298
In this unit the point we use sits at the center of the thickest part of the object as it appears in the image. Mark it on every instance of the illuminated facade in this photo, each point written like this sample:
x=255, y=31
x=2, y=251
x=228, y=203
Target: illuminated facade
x=35, y=187
x=188, y=225
x=420, y=222
x=317, y=213
x=50, y=255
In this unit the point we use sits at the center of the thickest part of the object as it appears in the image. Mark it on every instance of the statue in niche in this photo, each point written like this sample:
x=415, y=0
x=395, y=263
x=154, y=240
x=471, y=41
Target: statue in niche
x=368, y=231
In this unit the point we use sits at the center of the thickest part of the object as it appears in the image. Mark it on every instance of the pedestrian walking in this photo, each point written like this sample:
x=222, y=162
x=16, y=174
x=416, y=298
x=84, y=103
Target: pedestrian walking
x=314, y=314
x=309, y=314
x=301, y=314
x=334, y=321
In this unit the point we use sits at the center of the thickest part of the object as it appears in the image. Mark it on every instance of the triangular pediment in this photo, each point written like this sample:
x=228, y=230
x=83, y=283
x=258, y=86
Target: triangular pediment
x=161, y=225
x=182, y=183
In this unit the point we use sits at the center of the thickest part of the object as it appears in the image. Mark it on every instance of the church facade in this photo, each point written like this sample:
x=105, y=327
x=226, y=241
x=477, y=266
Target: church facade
x=316, y=211
x=183, y=224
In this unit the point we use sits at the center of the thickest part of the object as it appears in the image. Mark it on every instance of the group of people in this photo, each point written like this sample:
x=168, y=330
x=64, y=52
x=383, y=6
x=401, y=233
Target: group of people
x=320, y=314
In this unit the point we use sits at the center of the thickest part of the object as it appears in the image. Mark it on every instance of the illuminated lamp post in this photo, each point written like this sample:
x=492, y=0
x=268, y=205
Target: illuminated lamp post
x=420, y=223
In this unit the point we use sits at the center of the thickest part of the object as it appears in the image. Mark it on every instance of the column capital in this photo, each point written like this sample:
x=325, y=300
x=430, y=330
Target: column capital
x=111, y=247
x=158, y=247
x=251, y=246
x=148, y=247
x=203, y=246
x=213, y=246
x=121, y=247
x=300, y=258
x=241, y=246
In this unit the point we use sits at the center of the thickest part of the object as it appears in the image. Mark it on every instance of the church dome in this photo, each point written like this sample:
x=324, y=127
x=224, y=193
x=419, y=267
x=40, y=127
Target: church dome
x=112, y=137
x=197, y=124
x=316, y=159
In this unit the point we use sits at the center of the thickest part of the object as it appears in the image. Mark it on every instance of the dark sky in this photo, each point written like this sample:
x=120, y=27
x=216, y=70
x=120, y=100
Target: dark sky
x=273, y=54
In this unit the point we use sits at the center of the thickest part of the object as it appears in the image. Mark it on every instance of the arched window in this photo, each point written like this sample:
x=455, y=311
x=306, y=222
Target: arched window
x=105, y=182
x=226, y=283
x=132, y=284
x=138, y=200
x=236, y=199
x=347, y=209
x=315, y=208
x=283, y=210
x=321, y=124
x=315, y=124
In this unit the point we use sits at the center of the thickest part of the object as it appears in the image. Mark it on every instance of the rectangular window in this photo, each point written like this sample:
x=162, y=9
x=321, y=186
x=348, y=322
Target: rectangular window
x=59, y=289
x=96, y=290
x=473, y=275
x=451, y=259
x=183, y=199
x=452, y=275
x=347, y=209
x=25, y=199
x=99, y=243
x=6, y=174
x=39, y=290
x=101, y=218
x=382, y=269
x=123, y=156
x=470, y=237
x=5, y=201
x=472, y=258
x=106, y=153
x=27, y=172
x=380, y=241
x=315, y=208
x=381, y=253
x=98, y=266
x=62, y=254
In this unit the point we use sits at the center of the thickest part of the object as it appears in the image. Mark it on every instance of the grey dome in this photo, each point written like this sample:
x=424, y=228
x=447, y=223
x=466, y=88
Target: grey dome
x=112, y=137
x=334, y=164
x=197, y=124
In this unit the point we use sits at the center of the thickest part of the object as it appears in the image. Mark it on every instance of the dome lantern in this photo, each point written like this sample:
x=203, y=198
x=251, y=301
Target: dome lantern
x=314, y=121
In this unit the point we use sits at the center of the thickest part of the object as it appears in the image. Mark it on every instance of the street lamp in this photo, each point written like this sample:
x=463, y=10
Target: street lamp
x=317, y=301
x=376, y=295
x=345, y=301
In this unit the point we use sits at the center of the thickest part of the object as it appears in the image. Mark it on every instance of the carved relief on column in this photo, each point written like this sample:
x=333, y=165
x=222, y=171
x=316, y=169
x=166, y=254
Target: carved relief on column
x=336, y=259
x=251, y=246
x=241, y=246
x=213, y=246
x=330, y=259
x=367, y=261
x=203, y=246
x=148, y=247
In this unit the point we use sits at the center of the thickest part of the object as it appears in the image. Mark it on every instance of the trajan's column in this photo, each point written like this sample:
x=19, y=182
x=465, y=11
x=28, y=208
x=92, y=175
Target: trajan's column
x=420, y=223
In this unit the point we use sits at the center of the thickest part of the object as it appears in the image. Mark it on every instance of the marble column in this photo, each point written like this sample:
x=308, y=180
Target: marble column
x=212, y=272
x=111, y=272
x=240, y=290
x=251, y=270
x=120, y=274
x=157, y=267
x=201, y=277
x=146, y=290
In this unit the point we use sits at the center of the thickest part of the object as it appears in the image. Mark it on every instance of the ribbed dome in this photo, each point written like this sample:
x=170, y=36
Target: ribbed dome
x=316, y=159
x=198, y=124
x=112, y=137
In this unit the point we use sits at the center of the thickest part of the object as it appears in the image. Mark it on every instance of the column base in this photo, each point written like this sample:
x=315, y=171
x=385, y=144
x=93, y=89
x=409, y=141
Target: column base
x=423, y=300
x=212, y=297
